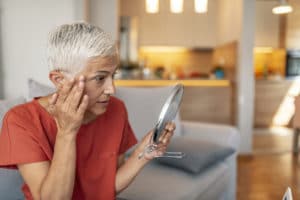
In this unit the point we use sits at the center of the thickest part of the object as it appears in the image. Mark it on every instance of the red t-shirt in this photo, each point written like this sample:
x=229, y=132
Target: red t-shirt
x=28, y=135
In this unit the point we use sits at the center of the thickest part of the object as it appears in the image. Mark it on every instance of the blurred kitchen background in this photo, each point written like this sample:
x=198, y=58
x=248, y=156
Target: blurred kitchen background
x=238, y=60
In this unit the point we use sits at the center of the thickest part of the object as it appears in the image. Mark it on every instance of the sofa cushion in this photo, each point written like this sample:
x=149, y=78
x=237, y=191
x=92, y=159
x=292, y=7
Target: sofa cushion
x=5, y=105
x=10, y=184
x=198, y=154
x=161, y=182
x=37, y=89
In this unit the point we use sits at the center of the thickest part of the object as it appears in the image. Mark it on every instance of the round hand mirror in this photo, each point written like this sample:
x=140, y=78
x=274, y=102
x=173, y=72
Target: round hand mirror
x=169, y=111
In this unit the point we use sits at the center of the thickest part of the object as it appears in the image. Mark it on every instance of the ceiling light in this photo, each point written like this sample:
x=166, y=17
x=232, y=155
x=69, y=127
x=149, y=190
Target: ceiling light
x=176, y=6
x=152, y=6
x=282, y=8
x=200, y=6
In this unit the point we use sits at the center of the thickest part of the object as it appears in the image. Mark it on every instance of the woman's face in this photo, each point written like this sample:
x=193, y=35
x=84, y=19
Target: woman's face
x=99, y=84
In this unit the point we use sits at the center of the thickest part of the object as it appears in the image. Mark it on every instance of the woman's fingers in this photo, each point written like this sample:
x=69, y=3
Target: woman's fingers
x=168, y=133
x=83, y=105
x=64, y=90
x=69, y=105
x=76, y=95
x=160, y=148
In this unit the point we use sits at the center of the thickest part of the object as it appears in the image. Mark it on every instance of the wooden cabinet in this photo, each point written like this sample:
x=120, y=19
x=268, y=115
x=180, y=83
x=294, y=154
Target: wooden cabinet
x=266, y=24
x=207, y=104
x=187, y=29
x=274, y=102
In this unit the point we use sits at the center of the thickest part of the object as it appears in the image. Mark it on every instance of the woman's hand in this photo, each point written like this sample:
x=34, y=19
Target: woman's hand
x=68, y=106
x=160, y=148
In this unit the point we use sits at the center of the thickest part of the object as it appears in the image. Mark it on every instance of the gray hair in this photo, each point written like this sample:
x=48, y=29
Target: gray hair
x=71, y=45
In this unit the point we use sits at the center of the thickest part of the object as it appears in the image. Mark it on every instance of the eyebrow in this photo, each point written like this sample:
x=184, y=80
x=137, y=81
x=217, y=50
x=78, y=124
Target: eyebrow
x=106, y=72
x=101, y=71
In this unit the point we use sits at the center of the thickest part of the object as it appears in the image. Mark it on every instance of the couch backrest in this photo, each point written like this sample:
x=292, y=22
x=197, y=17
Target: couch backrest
x=10, y=184
x=144, y=106
x=36, y=89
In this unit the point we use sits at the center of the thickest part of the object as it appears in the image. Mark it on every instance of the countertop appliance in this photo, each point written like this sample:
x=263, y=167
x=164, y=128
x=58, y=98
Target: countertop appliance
x=292, y=63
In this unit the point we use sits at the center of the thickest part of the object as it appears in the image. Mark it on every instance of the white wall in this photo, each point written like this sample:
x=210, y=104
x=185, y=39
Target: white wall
x=105, y=14
x=229, y=21
x=293, y=26
x=266, y=24
x=25, y=26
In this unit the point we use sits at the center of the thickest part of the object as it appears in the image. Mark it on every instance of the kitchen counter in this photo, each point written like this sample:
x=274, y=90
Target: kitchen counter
x=190, y=83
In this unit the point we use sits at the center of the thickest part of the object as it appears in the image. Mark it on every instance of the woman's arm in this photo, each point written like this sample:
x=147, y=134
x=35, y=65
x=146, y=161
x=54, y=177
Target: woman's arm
x=135, y=163
x=55, y=179
x=128, y=171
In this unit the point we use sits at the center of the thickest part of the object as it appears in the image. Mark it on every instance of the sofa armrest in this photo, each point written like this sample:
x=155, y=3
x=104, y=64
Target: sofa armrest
x=220, y=134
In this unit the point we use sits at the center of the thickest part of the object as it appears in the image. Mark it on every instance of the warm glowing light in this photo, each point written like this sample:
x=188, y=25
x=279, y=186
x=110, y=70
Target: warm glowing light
x=176, y=6
x=200, y=6
x=152, y=6
x=286, y=109
x=163, y=49
x=263, y=49
x=282, y=9
x=280, y=130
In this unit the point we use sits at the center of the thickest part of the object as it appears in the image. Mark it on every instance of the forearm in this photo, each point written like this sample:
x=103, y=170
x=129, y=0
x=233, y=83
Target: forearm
x=128, y=171
x=59, y=182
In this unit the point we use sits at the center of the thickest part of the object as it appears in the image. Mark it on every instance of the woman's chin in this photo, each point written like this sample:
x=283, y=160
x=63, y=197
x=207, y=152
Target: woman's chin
x=97, y=111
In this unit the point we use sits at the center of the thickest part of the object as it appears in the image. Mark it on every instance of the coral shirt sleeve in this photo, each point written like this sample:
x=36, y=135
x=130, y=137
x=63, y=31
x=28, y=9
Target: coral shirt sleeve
x=18, y=142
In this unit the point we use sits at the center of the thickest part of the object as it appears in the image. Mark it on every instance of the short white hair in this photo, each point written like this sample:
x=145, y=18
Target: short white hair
x=71, y=45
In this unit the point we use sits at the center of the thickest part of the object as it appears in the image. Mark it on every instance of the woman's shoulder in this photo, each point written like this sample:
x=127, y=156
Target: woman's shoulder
x=25, y=112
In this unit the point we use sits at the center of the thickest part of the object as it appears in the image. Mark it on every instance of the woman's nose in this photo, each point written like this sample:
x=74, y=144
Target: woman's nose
x=110, y=88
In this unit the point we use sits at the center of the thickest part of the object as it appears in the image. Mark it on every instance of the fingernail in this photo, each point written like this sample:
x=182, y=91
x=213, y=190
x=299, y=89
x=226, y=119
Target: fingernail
x=81, y=84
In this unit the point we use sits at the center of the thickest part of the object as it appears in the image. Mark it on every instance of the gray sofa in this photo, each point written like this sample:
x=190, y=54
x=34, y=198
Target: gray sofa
x=163, y=182
x=156, y=181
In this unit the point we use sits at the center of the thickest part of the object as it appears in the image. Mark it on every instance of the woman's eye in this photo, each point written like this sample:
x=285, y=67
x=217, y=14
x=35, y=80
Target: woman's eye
x=99, y=78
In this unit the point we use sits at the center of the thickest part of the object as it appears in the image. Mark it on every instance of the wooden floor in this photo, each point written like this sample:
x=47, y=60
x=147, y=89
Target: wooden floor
x=270, y=170
x=266, y=177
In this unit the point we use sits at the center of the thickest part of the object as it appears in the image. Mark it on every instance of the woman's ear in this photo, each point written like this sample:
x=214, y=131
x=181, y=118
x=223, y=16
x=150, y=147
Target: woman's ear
x=57, y=78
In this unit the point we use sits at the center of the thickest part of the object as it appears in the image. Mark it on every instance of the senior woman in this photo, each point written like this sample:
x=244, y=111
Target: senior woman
x=71, y=144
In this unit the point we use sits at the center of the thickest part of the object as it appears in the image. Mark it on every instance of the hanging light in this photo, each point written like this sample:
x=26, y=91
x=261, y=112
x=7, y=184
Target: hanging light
x=152, y=6
x=200, y=6
x=176, y=6
x=282, y=8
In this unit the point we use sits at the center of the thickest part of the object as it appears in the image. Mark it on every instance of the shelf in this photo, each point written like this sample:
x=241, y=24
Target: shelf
x=189, y=83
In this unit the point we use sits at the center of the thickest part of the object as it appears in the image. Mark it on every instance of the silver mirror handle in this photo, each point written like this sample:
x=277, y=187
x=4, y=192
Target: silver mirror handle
x=169, y=154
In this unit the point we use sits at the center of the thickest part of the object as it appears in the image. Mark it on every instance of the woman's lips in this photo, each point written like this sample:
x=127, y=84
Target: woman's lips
x=103, y=102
